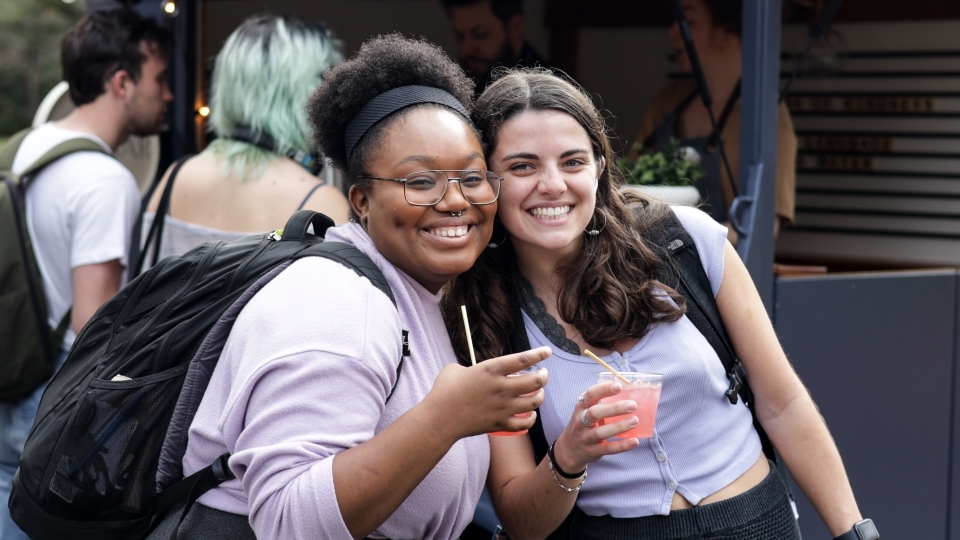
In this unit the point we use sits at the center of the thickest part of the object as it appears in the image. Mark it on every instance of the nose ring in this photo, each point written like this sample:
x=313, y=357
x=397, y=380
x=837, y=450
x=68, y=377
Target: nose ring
x=457, y=214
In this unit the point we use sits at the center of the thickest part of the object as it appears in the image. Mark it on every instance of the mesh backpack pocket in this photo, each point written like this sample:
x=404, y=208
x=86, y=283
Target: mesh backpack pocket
x=103, y=461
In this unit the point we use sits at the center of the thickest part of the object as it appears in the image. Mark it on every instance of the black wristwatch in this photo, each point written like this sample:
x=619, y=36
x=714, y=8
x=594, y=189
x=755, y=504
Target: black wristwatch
x=862, y=530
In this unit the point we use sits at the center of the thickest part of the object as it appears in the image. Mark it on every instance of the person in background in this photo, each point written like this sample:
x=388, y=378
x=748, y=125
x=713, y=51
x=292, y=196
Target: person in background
x=258, y=171
x=677, y=112
x=490, y=33
x=80, y=209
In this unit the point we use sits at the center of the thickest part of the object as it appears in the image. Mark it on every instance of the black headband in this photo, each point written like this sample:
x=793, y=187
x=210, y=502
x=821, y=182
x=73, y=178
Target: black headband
x=392, y=101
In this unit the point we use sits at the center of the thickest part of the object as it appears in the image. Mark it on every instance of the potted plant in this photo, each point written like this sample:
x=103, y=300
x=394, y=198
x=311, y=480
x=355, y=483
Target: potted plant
x=668, y=175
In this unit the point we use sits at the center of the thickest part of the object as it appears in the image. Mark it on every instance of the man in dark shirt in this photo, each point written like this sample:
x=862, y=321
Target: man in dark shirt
x=490, y=33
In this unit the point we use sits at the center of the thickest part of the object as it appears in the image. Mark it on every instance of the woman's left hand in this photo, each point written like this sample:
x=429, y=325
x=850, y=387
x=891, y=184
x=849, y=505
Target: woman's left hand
x=580, y=444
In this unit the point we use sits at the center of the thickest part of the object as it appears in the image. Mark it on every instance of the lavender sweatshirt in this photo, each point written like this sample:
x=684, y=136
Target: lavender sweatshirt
x=304, y=375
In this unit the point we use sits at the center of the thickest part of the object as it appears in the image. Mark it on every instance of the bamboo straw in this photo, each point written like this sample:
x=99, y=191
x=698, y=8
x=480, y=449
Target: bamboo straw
x=606, y=366
x=466, y=326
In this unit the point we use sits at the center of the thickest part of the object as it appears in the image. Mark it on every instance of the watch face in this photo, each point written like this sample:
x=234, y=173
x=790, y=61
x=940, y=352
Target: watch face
x=866, y=530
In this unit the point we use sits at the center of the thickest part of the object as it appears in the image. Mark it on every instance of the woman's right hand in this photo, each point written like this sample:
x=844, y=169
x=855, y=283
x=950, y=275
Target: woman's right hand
x=481, y=398
x=579, y=444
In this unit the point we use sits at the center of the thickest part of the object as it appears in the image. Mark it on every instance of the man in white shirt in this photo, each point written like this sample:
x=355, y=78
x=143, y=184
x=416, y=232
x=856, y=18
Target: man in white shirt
x=80, y=209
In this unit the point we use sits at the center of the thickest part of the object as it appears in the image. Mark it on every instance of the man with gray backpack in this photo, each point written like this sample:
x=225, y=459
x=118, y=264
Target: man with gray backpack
x=67, y=208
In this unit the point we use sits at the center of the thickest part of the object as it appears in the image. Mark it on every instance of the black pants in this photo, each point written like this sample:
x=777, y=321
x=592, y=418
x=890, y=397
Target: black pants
x=762, y=513
x=203, y=523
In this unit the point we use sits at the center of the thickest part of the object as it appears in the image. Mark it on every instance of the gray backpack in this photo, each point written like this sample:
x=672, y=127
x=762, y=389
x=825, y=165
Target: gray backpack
x=28, y=346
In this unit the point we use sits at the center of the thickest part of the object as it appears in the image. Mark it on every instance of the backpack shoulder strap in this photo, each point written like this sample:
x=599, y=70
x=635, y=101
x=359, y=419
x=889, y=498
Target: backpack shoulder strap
x=353, y=259
x=138, y=253
x=9, y=150
x=360, y=263
x=519, y=342
x=683, y=271
x=80, y=144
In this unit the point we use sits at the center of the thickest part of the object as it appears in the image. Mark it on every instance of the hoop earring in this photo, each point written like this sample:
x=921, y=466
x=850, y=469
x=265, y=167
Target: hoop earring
x=495, y=245
x=595, y=232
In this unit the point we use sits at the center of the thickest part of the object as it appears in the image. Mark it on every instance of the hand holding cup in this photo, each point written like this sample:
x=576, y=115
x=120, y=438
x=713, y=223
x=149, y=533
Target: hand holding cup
x=581, y=444
x=485, y=398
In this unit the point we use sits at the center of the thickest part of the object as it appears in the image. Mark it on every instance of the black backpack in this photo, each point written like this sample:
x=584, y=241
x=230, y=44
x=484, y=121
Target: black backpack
x=103, y=459
x=684, y=272
x=28, y=346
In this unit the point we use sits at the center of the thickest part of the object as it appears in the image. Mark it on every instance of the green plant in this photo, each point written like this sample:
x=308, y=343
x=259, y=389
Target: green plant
x=674, y=166
x=30, y=33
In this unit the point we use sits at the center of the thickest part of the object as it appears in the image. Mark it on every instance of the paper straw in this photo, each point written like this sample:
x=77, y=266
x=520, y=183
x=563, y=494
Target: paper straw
x=466, y=326
x=605, y=365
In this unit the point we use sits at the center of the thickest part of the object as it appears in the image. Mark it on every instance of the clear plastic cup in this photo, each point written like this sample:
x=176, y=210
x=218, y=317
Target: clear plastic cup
x=644, y=389
x=524, y=371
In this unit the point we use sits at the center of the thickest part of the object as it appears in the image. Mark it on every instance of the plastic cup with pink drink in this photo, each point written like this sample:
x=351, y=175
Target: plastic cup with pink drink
x=644, y=389
x=525, y=371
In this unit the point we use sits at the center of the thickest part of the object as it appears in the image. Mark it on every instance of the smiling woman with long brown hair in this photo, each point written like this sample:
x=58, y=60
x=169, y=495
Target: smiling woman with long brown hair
x=569, y=269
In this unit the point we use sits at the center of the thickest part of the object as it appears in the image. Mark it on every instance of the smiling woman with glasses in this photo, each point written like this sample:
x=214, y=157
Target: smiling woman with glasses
x=346, y=415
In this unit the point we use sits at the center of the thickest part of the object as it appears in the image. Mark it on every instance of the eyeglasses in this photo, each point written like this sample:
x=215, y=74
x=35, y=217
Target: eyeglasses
x=427, y=188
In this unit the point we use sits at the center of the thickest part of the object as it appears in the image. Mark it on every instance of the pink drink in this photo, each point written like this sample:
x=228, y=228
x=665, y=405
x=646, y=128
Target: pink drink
x=644, y=389
x=525, y=371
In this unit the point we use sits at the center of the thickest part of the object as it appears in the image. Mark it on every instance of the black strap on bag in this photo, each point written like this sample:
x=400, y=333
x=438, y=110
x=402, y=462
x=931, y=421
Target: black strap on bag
x=685, y=273
x=138, y=254
x=36, y=295
x=192, y=488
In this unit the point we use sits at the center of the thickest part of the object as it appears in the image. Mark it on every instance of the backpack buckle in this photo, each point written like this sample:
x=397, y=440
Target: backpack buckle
x=221, y=468
x=737, y=375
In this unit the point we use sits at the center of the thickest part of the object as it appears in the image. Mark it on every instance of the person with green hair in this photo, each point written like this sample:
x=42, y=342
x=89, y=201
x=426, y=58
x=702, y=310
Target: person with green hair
x=260, y=168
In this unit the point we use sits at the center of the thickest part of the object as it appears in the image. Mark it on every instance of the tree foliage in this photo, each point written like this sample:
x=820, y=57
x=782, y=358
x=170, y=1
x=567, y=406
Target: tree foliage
x=30, y=33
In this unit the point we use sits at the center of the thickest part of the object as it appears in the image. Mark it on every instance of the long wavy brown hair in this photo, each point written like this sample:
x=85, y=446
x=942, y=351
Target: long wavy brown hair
x=608, y=286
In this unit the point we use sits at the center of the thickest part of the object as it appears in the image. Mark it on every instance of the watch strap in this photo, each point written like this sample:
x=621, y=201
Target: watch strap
x=862, y=530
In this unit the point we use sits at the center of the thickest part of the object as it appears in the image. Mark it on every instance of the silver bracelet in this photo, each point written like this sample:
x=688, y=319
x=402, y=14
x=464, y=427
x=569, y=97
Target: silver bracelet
x=583, y=478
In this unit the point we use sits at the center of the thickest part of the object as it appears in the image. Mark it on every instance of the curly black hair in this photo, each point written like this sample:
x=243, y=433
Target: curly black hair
x=382, y=63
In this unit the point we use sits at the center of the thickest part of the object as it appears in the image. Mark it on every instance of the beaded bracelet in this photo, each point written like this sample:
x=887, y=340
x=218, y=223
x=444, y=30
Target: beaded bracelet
x=583, y=478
